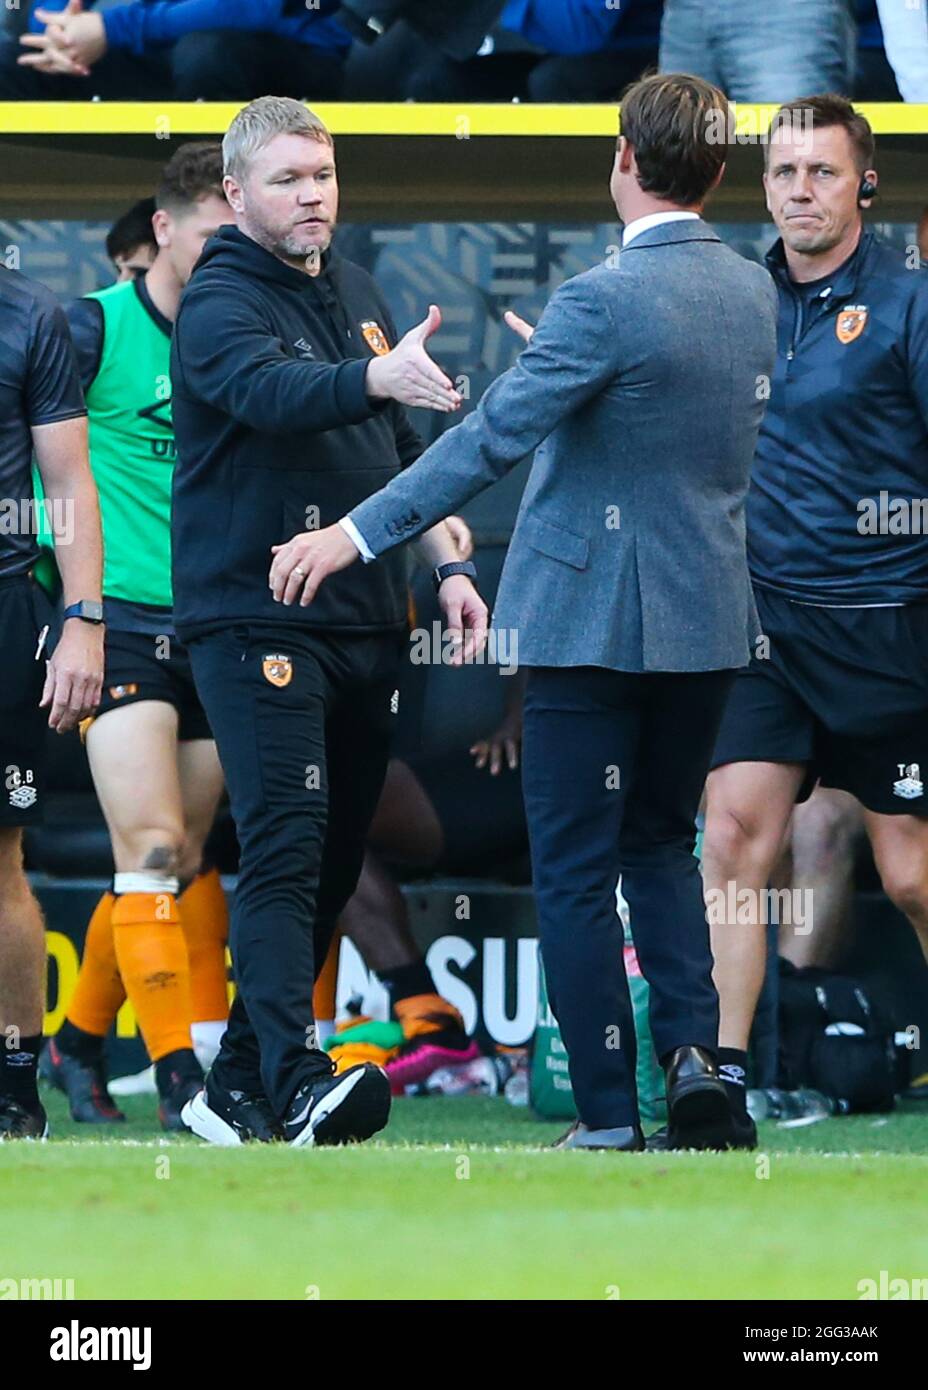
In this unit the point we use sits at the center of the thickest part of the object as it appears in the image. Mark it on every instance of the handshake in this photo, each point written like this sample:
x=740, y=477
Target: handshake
x=70, y=44
x=407, y=373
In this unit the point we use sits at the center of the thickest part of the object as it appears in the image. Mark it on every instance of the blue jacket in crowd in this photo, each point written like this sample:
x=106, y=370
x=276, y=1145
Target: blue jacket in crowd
x=584, y=26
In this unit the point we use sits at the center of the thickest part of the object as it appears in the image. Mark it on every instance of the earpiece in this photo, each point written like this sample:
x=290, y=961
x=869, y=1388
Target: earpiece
x=866, y=190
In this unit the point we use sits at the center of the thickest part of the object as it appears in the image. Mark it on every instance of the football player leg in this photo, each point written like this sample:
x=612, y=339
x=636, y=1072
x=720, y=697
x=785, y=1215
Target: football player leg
x=74, y=1060
x=203, y=908
x=900, y=850
x=134, y=761
x=22, y=994
x=748, y=809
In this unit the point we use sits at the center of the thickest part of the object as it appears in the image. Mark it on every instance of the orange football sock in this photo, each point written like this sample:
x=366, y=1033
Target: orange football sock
x=204, y=914
x=99, y=993
x=324, y=991
x=152, y=956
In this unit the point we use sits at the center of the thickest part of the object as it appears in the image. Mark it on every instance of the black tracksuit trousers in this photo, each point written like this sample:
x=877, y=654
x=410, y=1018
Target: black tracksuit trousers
x=302, y=720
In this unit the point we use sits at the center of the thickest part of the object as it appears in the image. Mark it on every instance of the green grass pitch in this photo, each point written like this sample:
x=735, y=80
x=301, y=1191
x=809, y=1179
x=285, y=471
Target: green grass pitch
x=463, y=1199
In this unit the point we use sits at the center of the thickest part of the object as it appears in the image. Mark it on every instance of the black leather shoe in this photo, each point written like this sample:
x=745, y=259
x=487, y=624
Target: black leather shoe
x=698, y=1112
x=627, y=1139
x=744, y=1136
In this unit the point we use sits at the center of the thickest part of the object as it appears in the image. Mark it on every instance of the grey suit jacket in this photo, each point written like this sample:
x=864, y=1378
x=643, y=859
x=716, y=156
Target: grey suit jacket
x=644, y=386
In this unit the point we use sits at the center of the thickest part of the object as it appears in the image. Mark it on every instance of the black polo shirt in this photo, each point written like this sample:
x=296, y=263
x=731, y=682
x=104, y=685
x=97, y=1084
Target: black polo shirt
x=845, y=435
x=39, y=385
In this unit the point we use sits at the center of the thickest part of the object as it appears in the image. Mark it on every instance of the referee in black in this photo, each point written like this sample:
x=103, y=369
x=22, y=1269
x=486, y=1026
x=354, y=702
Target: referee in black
x=42, y=412
x=837, y=521
x=288, y=411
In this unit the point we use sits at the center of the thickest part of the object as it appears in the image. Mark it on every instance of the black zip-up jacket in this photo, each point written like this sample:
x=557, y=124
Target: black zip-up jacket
x=275, y=434
x=847, y=421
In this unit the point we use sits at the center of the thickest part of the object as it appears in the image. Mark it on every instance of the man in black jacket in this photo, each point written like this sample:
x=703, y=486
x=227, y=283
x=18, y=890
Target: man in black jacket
x=288, y=410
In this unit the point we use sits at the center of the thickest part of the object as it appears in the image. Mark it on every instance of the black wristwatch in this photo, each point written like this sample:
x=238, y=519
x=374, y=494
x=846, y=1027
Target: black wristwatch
x=89, y=610
x=443, y=572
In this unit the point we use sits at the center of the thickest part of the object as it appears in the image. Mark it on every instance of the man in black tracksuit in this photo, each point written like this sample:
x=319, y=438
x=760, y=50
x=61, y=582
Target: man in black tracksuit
x=286, y=401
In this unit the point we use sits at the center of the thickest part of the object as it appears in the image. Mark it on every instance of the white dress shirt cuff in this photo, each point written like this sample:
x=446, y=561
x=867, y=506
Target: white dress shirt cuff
x=354, y=535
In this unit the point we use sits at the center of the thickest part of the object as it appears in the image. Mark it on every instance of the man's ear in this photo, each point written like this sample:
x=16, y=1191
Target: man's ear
x=626, y=156
x=233, y=192
x=767, y=193
x=871, y=177
x=162, y=225
x=717, y=180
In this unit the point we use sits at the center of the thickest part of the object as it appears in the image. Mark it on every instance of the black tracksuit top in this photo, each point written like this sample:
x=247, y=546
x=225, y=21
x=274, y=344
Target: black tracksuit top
x=275, y=434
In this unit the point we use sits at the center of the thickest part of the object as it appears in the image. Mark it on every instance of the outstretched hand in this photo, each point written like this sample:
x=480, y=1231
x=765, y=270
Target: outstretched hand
x=518, y=324
x=407, y=373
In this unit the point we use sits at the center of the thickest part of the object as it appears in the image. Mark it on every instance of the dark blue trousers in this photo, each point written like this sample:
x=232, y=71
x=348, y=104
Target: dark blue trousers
x=614, y=767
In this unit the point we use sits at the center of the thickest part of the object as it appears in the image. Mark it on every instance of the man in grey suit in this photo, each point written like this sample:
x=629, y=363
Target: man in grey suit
x=626, y=585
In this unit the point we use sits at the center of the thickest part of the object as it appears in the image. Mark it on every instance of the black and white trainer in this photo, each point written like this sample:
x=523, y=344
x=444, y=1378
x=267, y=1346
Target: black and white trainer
x=344, y=1109
x=230, y=1118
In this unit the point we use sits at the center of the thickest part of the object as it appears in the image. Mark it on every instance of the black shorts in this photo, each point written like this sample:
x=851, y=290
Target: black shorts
x=141, y=666
x=843, y=691
x=24, y=613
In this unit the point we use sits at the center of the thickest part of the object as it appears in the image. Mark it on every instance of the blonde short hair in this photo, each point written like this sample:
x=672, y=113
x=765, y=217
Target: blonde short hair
x=258, y=123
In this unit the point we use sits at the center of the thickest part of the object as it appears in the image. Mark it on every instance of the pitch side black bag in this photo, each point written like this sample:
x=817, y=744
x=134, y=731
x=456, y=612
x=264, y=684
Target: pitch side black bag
x=837, y=1038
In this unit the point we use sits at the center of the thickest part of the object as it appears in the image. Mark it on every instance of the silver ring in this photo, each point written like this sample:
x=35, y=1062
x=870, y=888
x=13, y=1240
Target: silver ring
x=297, y=570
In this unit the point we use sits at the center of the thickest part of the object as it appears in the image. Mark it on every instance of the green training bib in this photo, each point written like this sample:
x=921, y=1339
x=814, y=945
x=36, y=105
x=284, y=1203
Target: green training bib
x=132, y=448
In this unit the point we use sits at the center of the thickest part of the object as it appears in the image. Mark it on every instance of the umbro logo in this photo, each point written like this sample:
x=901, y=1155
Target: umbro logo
x=304, y=348
x=159, y=413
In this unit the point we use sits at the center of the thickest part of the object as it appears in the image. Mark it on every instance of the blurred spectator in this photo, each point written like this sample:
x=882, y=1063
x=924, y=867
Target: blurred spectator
x=549, y=50
x=454, y=27
x=875, y=80
x=219, y=50
x=130, y=242
x=767, y=51
x=905, y=35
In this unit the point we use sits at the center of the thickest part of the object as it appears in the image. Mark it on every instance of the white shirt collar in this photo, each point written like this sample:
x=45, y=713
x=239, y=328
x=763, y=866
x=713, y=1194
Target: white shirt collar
x=653, y=219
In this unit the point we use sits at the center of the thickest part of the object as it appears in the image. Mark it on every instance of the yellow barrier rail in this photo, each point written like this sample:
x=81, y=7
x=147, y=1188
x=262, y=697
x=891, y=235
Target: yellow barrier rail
x=167, y=119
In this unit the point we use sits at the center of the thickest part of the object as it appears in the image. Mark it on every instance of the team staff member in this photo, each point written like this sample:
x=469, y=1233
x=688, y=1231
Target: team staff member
x=285, y=392
x=843, y=596
x=41, y=410
x=152, y=756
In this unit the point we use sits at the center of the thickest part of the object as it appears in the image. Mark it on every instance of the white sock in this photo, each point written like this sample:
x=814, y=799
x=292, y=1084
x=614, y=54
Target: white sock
x=206, y=1039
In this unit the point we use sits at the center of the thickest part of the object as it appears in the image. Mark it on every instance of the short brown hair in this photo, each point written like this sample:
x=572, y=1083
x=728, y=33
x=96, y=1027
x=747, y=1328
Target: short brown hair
x=192, y=173
x=680, y=129
x=822, y=112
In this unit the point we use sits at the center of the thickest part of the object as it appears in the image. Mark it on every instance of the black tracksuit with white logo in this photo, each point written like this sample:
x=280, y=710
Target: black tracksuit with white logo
x=275, y=433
